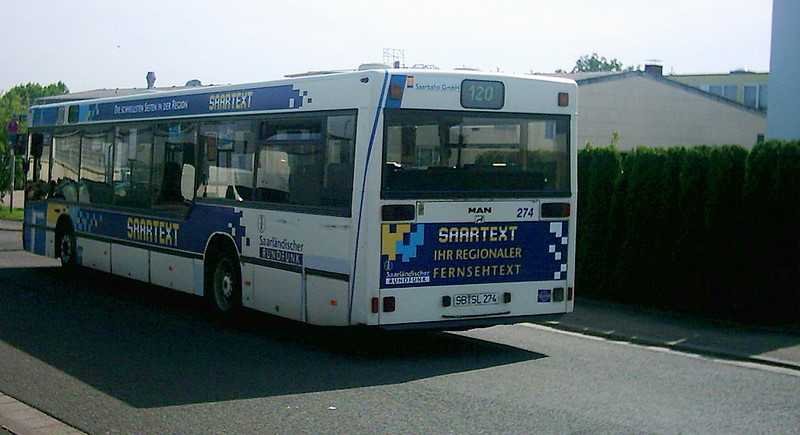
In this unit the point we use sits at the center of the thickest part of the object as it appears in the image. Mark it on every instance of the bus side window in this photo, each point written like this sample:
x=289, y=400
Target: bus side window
x=337, y=190
x=227, y=168
x=95, y=185
x=66, y=159
x=307, y=160
x=44, y=161
x=132, y=163
x=174, y=159
x=39, y=166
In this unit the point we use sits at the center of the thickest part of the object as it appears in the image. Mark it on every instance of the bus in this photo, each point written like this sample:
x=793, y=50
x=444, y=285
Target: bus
x=386, y=197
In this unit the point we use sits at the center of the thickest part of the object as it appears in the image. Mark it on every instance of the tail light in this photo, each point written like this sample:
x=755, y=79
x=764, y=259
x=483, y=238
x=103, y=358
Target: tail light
x=388, y=304
x=376, y=302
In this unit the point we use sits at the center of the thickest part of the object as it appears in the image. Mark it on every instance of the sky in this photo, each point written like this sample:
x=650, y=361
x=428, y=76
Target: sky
x=92, y=44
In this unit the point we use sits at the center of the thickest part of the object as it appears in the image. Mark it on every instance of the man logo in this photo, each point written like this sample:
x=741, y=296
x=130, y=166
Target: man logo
x=261, y=223
x=479, y=219
x=475, y=210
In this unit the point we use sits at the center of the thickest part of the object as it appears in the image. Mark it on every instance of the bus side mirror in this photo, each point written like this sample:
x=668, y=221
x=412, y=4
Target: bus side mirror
x=37, y=144
x=187, y=182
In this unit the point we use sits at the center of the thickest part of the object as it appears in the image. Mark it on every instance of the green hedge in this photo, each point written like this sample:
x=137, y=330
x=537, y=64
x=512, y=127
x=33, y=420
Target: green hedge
x=712, y=230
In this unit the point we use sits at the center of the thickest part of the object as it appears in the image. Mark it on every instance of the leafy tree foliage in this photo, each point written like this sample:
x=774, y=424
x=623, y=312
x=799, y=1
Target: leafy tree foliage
x=18, y=99
x=595, y=63
x=15, y=102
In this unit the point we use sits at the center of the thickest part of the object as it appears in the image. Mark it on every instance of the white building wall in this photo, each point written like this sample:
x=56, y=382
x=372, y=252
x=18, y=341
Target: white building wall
x=784, y=79
x=646, y=111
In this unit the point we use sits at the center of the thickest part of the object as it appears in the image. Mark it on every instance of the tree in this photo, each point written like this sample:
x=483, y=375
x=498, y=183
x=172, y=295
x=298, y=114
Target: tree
x=594, y=63
x=18, y=99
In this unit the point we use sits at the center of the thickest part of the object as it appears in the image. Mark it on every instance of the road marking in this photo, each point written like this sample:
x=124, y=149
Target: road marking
x=662, y=349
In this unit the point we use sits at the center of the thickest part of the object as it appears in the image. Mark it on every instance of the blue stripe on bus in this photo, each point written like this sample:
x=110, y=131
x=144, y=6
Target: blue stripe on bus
x=363, y=187
x=205, y=103
x=397, y=84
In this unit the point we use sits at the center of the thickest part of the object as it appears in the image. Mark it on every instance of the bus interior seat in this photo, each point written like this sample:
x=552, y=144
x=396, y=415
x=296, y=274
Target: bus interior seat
x=271, y=195
x=171, y=187
x=304, y=185
x=239, y=192
x=230, y=193
x=97, y=192
x=340, y=184
x=245, y=192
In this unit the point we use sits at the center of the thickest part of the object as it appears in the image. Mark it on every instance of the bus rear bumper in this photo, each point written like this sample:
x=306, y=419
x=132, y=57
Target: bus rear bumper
x=470, y=323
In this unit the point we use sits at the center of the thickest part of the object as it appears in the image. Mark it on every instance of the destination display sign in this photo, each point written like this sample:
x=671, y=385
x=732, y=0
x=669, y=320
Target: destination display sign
x=483, y=94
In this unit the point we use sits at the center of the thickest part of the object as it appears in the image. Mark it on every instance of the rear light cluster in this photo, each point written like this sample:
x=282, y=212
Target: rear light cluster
x=389, y=304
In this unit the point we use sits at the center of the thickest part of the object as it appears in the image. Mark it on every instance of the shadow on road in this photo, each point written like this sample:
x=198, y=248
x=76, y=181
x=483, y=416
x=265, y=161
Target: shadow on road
x=150, y=347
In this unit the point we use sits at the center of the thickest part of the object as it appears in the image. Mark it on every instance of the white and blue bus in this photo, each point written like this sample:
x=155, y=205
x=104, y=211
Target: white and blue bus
x=385, y=197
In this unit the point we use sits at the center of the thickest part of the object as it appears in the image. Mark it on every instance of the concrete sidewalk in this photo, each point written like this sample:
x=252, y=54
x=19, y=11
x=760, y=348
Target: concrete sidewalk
x=682, y=332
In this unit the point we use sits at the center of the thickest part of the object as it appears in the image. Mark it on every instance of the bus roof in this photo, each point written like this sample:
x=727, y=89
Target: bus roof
x=281, y=94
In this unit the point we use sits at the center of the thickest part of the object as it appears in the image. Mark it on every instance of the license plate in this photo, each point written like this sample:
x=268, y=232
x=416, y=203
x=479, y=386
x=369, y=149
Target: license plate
x=475, y=299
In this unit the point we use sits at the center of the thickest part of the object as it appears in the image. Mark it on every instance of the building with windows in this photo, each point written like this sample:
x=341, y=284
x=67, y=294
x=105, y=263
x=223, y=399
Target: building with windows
x=646, y=108
x=746, y=87
x=785, y=65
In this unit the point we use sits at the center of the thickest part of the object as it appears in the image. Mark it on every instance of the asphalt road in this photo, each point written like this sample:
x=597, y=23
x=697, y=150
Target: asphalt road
x=105, y=354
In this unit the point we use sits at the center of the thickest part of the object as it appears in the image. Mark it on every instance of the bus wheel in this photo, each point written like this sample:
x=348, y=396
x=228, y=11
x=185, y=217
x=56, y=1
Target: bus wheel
x=226, y=288
x=65, y=241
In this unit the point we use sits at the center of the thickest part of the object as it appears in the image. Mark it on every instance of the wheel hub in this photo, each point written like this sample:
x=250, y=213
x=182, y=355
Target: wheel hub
x=66, y=250
x=227, y=286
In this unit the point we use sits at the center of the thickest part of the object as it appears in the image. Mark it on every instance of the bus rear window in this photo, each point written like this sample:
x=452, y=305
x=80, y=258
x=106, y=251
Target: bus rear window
x=446, y=154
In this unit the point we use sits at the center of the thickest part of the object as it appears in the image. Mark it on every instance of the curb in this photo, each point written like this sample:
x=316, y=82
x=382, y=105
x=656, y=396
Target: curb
x=20, y=419
x=7, y=225
x=700, y=350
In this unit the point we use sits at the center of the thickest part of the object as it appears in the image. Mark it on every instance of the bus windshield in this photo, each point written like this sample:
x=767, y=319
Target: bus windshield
x=446, y=154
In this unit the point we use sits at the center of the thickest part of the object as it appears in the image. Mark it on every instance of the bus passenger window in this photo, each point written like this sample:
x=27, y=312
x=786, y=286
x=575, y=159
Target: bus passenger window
x=174, y=160
x=95, y=186
x=226, y=170
x=37, y=186
x=44, y=161
x=132, y=162
x=66, y=155
x=307, y=160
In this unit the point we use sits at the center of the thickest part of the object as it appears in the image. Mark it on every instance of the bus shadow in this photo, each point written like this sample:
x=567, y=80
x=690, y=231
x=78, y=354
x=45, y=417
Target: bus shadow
x=149, y=347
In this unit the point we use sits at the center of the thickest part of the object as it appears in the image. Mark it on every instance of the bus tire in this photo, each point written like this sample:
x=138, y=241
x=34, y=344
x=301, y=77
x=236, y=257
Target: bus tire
x=225, y=285
x=66, y=248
